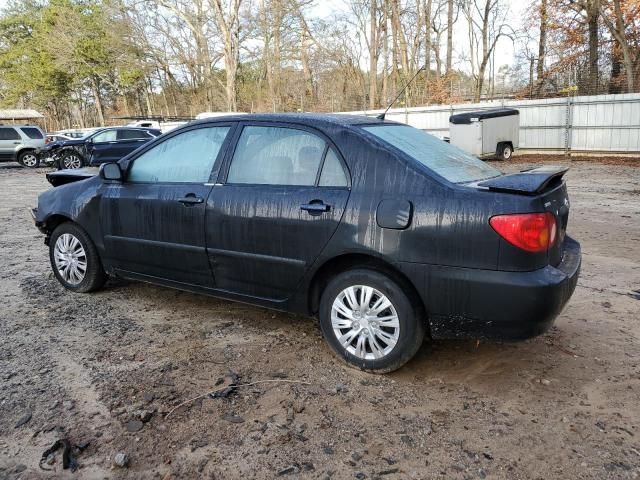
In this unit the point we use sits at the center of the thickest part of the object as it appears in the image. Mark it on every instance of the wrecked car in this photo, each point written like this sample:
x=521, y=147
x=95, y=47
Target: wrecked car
x=104, y=145
x=383, y=232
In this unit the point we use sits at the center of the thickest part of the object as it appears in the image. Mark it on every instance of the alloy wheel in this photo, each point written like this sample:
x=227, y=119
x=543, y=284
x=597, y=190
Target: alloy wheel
x=70, y=259
x=72, y=160
x=365, y=322
x=29, y=160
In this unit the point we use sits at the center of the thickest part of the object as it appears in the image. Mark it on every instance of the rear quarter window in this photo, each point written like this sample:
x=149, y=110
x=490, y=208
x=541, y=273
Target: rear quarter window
x=451, y=163
x=32, y=132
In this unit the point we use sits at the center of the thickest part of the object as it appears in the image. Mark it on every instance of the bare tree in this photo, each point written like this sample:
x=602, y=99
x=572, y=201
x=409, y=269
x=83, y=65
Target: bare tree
x=228, y=22
x=617, y=28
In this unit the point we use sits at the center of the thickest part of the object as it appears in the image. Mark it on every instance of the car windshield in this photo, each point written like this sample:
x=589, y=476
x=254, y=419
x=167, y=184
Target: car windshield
x=450, y=162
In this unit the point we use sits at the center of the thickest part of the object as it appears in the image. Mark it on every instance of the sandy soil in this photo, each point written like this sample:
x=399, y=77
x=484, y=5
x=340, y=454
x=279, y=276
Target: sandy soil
x=87, y=367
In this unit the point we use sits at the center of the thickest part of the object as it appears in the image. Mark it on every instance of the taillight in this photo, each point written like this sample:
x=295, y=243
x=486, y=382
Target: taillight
x=533, y=232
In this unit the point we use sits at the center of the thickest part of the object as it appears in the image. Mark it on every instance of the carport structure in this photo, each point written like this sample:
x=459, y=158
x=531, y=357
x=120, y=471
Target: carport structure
x=19, y=115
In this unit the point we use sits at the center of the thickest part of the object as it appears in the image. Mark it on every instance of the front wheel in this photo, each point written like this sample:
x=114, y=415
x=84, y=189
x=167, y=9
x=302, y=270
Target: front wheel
x=70, y=160
x=75, y=260
x=29, y=159
x=369, y=320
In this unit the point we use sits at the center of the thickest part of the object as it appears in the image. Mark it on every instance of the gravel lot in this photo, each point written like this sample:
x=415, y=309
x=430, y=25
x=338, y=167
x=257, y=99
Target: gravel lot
x=89, y=367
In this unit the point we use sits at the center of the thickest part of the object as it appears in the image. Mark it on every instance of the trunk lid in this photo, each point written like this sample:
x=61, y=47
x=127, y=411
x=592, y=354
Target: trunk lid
x=527, y=182
x=547, y=192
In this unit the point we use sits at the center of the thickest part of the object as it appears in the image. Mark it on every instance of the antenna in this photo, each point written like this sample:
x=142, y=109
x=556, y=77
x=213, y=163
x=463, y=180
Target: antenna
x=382, y=115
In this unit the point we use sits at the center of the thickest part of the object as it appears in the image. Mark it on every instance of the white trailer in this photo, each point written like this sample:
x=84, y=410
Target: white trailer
x=487, y=133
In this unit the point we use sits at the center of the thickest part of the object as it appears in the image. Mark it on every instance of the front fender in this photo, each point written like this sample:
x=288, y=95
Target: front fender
x=78, y=202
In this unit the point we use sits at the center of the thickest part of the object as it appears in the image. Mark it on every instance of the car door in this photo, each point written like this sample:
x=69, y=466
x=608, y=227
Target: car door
x=274, y=209
x=153, y=221
x=100, y=147
x=9, y=140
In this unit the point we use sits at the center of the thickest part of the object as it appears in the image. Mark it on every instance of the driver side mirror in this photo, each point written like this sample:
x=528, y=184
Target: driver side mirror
x=111, y=171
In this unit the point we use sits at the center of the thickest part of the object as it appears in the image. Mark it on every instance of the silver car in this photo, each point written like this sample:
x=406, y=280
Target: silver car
x=19, y=143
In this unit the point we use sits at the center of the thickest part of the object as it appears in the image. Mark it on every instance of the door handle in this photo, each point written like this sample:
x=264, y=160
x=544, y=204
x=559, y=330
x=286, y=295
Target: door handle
x=16, y=143
x=191, y=199
x=315, y=207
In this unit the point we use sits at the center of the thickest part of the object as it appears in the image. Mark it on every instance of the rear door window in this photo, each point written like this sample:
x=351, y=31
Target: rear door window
x=32, y=132
x=276, y=156
x=8, y=133
x=451, y=163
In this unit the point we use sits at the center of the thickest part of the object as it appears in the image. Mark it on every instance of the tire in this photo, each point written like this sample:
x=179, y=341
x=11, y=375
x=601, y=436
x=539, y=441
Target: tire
x=29, y=159
x=69, y=242
x=505, y=151
x=376, y=352
x=70, y=160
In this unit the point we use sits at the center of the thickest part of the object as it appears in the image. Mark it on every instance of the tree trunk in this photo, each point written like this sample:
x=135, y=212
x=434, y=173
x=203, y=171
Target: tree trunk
x=229, y=25
x=531, y=61
x=95, y=88
x=449, y=36
x=486, y=52
x=373, y=54
x=593, y=12
x=385, y=47
x=427, y=40
x=542, y=42
x=309, y=90
x=624, y=45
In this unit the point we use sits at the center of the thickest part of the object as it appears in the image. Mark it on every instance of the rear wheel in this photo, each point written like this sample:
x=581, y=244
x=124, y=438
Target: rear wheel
x=369, y=320
x=75, y=260
x=505, y=151
x=71, y=160
x=29, y=159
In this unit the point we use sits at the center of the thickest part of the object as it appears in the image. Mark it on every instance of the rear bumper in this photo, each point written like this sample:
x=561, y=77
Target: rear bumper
x=472, y=303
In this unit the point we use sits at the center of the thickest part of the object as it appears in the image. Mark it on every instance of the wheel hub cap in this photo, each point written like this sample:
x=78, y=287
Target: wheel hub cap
x=365, y=322
x=70, y=258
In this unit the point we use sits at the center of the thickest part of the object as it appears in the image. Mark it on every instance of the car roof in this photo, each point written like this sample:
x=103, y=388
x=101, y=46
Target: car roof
x=310, y=119
x=124, y=127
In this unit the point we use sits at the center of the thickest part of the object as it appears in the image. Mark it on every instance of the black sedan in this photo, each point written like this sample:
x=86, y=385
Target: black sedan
x=104, y=145
x=384, y=232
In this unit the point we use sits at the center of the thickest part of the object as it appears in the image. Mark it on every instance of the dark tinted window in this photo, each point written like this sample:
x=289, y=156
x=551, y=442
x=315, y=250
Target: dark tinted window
x=276, y=156
x=131, y=134
x=7, y=133
x=32, y=132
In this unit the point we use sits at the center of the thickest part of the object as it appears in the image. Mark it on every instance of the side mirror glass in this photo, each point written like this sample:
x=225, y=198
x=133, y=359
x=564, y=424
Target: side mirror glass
x=111, y=171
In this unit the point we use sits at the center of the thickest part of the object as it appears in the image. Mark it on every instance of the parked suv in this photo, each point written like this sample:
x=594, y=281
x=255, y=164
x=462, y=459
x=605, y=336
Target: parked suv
x=18, y=143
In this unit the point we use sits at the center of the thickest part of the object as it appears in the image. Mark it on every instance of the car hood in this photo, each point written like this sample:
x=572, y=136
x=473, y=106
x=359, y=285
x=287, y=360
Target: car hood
x=62, y=177
x=63, y=143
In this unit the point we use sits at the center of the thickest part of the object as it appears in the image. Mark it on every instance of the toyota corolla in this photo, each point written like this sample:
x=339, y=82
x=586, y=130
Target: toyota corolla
x=383, y=232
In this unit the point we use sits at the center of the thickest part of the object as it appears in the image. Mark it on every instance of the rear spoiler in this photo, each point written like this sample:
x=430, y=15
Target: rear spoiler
x=528, y=182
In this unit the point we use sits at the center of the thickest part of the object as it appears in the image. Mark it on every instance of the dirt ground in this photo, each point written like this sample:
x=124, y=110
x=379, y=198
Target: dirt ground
x=88, y=367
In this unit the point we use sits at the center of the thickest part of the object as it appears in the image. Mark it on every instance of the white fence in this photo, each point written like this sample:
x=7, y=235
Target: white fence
x=604, y=124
